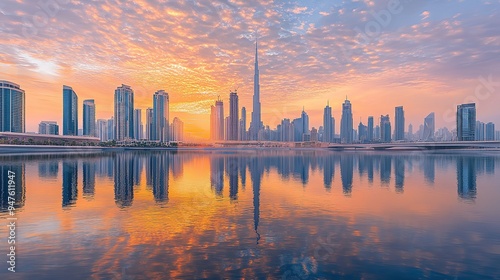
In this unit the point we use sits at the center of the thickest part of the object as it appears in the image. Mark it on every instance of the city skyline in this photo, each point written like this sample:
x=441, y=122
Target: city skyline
x=302, y=57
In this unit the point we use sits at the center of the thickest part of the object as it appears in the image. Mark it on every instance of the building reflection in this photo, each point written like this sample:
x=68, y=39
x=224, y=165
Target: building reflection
x=256, y=172
x=232, y=173
x=124, y=179
x=89, y=170
x=19, y=186
x=217, y=174
x=385, y=169
x=466, y=177
x=328, y=172
x=399, y=170
x=48, y=169
x=159, y=175
x=346, y=173
x=69, y=182
x=429, y=169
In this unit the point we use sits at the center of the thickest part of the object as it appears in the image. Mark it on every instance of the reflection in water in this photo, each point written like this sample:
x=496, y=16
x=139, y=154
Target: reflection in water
x=69, y=182
x=89, y=167
x=159, y=166
x=48, y=169
x=399, y=170
x=124, y=179
x=19, y=186
x=429, y=169
x=385, y=169
x=346, y=173
x=232, y=173
x=256, y=172
x=466, y=177
x=217, y=174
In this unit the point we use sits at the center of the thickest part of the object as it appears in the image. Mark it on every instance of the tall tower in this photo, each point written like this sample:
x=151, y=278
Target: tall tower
x=233, y=116
x=161, y=116
x=399, y=131
x=466, y=122
x=346, y=123
x=124, y=113
x=12, y=108
x=70, y=111
x=256, y=123
x=89, y=118
x=328, y=124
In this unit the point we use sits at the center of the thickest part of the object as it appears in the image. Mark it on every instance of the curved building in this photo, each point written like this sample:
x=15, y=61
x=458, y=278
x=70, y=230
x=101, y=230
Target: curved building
x=12, y=103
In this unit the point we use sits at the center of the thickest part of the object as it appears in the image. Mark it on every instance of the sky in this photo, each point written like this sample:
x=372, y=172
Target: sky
x=427, y=56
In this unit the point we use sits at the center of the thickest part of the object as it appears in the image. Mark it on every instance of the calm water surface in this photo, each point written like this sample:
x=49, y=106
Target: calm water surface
x=254, y=214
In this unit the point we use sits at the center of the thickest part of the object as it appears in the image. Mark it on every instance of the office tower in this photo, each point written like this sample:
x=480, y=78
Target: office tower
x=490, y=132
x=256, y=123
x=328, y=125
x=369, y=131
x=362, y=132
x=286, y=131
x=89, y=118
x=233, y=117
x=161, y=116
x=466, y=122
x=377, y=133
x=314, y=134
x=124, y=113
x=305, y=125
x=138, y=128
x=177, y=132
x=410, y=132
x=479, y=131
x=102, y=130
x=346, y=132
x=48, y=127
x=217, y=120
x=226, y=128
x=399, y=131
x=429, y=128
x=149, y=124
x=111, y=129
x=12, y=108
x=243, y=125
x=70, y=111
x=385, y=129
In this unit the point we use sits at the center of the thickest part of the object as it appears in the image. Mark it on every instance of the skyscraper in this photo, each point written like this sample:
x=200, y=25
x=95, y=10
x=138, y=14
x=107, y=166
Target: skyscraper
x=111, y=129
x=70, y=111
x=149, y=124
x=399, y=131
x=124, y=113
x=385, y=128
x=177, y=133
x=362, y=132
x=138, y=128
x=243, y=125
x=89, y=118
x=466, y=122
x=217, y=121
x=328, y=125
x=490, y=131
x=48, y=127
x=233, y=116
x=256, y=123
x=102, y=130
x=12, y=107
x=429, y=128
x=369, y=132
x=479, y=131
x=305, y=125
x=346, y=132
x=161, y=116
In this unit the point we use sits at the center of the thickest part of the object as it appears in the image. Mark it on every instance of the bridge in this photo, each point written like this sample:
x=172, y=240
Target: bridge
x=419, y=145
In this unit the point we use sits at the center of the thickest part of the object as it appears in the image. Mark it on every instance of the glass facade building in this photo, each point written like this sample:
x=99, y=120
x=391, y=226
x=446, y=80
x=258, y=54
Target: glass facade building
x=12, y=108
x=466, y=122
x=70, y=111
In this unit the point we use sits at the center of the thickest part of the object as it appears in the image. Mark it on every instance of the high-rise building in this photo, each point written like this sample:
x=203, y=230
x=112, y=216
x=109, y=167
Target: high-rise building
x=385, y=129
x=177, y=133
x=305, y=124
x=256, y=123
x=102, y=130
x=479, y=131
x=226, y=128
x=217, y=121
x=12, y=108
x=243, y=125
x=149, y=124
x=48, y=127
x=410, y=132
x=429, y=128
x=490, y=131
x=161, y=116
x=111, y=129
x=362, y=132
x=124, y=113
x=497, y=135
x=399, y=130
x=466, y=122
x=70, y=111
x=138, y=127
x=233, y=116
x=286, y=131
x=377, y=133
x=369, y=131
x=346, y=133
x=314, y=134
x=89, y=118
x=328, y=125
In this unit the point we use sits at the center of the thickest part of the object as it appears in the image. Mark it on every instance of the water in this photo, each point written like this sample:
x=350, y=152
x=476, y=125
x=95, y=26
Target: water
x=249, y=214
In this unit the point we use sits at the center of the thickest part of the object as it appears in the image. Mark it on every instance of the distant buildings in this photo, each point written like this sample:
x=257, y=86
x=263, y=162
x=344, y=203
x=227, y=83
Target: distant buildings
x=89, y=118
x=466, y=122
x=102, y=130
x=369, y=133
x=12, y=108
x=124, y=113
x=161, y=116
x=346, y=133
x=177, y=131
x=385, y=129
x=362, y=132
x=233, y=117
x=328, y=125
x=399, y=130
x=243, y=125
x=490, y=131
x=138, y=128
x=480, y=128
x=70, y=111
x=149, y=124
x=429, y=128
x=217, y=121
x=48, y=127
